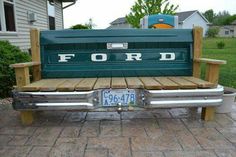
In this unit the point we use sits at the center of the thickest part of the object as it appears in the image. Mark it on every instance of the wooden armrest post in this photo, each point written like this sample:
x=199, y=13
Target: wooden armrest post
x=22, y=79
x=22, y=76
x=212, y=75
x=22, y=73
x=212, y=72
x=35, y=51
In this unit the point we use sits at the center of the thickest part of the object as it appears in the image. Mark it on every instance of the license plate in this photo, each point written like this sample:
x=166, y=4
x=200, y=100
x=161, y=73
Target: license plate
x=125, y=97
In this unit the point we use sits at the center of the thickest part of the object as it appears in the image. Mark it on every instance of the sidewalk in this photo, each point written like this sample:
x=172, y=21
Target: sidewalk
x=160, y=133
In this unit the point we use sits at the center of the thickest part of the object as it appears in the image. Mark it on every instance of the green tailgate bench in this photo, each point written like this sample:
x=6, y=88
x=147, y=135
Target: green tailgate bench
x=116, y=70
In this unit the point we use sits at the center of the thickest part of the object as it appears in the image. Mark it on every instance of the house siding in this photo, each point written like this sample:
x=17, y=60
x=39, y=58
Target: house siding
x=22, y=36
x=222, y=31
x=195, y=20
x=120, y=26
x=59, y=15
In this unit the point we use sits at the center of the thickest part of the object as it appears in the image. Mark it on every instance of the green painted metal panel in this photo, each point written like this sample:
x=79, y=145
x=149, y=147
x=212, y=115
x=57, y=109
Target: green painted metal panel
x=69, y=53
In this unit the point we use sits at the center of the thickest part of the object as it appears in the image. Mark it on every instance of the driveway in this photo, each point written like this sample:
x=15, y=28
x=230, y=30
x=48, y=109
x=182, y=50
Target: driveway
x=158, y=133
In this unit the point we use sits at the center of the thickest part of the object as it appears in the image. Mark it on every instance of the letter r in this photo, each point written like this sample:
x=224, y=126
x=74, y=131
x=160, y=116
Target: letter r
x=133, y=56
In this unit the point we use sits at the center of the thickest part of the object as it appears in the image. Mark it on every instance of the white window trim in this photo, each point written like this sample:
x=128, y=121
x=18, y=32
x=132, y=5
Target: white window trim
x=3, y=21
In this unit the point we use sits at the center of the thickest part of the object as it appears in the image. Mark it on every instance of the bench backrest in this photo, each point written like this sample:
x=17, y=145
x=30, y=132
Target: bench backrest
x=116, y=53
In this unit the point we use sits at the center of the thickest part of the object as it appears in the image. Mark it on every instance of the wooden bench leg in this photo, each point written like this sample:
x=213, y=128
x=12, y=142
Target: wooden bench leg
x=27, y=117
x=208, y=113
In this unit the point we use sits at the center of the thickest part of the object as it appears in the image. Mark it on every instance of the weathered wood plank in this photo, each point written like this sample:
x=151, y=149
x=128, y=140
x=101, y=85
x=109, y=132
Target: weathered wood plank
x=208, y=113
x=26, y=64
x=27, y=117
x=210, y=61
x=150, y=83
x=69, y=85
x=212, y=73
x=184, y=84
x=199, y=82
x=118, y=82
x=86, y=84
x=35, y=45
x=102, y=83
x=166, y=83
x=51, y=84
x=35, y=52
x=22, y=77
x=134, y=82
x=197, y=50
x=35, y=86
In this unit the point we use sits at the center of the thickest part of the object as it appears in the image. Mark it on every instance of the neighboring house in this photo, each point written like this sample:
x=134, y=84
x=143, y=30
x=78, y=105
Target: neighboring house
x=228, y=31
x=17, y=17
x=190, y=19
x=119, y=23
x=187, y=19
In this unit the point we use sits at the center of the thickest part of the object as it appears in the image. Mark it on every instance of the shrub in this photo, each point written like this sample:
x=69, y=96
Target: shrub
x=79, y=26
x=220, y=45
x=9, y=54
x=213, y=32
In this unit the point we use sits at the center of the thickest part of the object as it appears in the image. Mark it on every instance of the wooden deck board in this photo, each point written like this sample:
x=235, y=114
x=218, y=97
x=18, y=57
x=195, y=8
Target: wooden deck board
x=166, y=83
x=102, y=83
x=184, y=84
x=134, y=82
x=35, y=86
x=68, y=85
x=150, y=83
x=199, y=82
x=118, y=82
x=86, y=84
x=51, y=85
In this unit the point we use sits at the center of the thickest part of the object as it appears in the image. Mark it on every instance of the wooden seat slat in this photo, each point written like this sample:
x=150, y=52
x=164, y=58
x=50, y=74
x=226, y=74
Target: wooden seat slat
x=184, y=84
x=134, y=82
x=199, y=82
x=69, y=85
x=166, y=83
x=86, y=84
x=150, y=83
x=118, y=82
x=102, y=83
x=51, y=85
x=35, y=86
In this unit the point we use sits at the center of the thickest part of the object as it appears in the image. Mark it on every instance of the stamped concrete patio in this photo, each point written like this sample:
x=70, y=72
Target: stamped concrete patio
x=160, y=133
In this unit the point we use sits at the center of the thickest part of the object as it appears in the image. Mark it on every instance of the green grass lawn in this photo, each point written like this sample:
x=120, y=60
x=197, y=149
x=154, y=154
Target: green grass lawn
x=228, y=71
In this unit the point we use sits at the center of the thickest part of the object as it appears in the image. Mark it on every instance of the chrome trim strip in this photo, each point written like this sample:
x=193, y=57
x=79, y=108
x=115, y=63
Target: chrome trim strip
x=63, y=104
x=185, y=102
x=218, y=89
x=57, y=93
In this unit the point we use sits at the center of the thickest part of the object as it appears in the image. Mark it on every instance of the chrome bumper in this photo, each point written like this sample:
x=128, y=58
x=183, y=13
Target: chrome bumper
x=91, y=100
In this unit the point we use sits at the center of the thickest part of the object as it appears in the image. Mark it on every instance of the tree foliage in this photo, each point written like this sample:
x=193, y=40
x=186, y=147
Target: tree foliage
x=212, y=32
x=220, y=18
x=9, y=54
x=88, y=25
x=79, y=26
x=149, y=7
x=229, y=19
x=209, y=15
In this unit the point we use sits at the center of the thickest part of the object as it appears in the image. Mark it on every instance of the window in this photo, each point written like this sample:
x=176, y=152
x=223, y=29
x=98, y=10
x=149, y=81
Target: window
x=7, y=16
x=226, y=32
x=51, y=15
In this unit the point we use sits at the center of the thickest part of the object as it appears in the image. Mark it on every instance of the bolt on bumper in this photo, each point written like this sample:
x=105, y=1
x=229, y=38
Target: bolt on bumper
x=92, y=100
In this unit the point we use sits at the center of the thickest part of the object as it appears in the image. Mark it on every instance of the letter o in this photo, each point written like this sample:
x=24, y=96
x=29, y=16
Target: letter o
x=94, y=57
